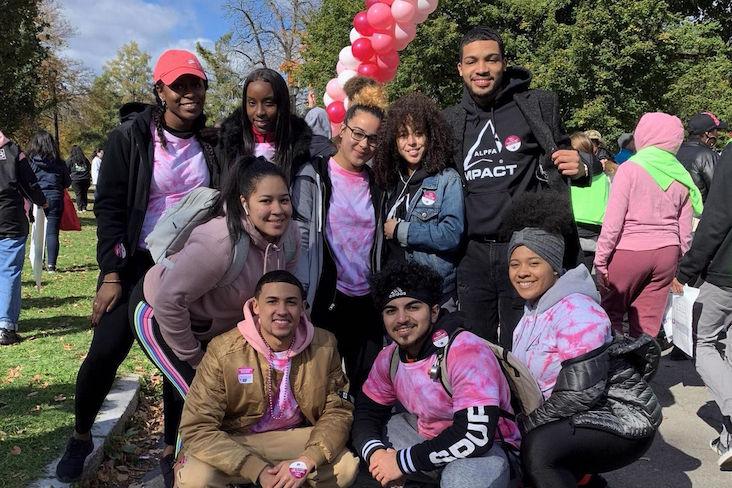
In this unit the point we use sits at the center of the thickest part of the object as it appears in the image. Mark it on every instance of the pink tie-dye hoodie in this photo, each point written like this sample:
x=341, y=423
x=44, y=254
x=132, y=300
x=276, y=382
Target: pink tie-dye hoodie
x=566, y=322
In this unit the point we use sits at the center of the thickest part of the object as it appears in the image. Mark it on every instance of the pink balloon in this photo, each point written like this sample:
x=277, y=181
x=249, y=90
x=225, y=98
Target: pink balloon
x=362, y=49
x=335, y=129
x=404, y=34
x=379, y=16
x=427, y=6
x=361, y=24
x=334, y=90
x=387, y=76
x=382, y=42
x=388, y=61
x=340, y=68
x=370, y=70
x=420, y=16
x=336, y=112
x=403, y=10
x=369, y=3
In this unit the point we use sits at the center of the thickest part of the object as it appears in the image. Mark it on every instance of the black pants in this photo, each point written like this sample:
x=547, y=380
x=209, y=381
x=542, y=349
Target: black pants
x=177, y=374
x=53, y=212
x=81, y=187
x=557, y=455
x=486, y=294
x=110, y=345
x=359, y=329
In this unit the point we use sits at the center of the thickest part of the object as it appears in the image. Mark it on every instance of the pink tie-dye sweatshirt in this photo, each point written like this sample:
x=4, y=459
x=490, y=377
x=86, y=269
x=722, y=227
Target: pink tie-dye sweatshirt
x=566, y=322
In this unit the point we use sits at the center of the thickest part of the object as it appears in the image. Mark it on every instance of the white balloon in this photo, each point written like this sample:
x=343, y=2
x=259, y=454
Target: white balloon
x=348, y=60
x=427, y=6
x=346, y=102
x=345, y=76
x=327, y=100
x=355, y=35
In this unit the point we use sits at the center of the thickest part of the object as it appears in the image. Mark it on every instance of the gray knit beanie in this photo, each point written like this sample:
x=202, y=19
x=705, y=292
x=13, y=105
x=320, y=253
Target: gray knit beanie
x=549, y=247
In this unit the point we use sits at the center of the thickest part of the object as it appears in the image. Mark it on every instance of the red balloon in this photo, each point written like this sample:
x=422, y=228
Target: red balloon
x=388, y=61
x=362, y=49
x=370, y=70
x=361, y=23
x=336, y=112
x=387, y=76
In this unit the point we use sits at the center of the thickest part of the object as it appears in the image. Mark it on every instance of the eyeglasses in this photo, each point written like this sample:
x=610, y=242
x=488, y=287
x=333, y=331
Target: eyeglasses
x=358, y=135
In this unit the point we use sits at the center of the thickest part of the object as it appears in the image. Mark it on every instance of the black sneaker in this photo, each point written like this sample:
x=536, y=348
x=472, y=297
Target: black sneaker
x=8, y=337
x=166, y=467
x=71, y=466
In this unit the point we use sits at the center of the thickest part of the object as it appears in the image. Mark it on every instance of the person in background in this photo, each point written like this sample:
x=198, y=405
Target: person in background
x=424, y=215
x=268, y=404
x=599, y=413
x=96, y=164
x=598, y=143
x=337, y=202
x=152, y=160
x=17, y=181
x=80, y=171
x=501, y=153
x=589, y=203
x=177, y=308
x=697, y=154
x=710, y=257
x=53, y=178
x=627, y=148
x=317, y=119
x=265, y=126
x=647, y=227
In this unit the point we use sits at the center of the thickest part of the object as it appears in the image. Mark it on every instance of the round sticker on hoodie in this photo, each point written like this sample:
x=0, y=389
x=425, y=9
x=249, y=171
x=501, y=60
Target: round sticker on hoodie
x=513, y=143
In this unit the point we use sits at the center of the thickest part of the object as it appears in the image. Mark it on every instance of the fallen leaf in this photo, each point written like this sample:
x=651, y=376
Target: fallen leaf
x=67, y=347
x=59, y=398
x=15, y=451
x=122, y=477
x=38, y=407
x=44, y=448
x=102, y=477
x=31, y=394
x=123, y=469
x=2, y=403
x=13, y=373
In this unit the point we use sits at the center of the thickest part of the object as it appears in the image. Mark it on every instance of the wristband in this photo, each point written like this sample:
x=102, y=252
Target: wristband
x=111, y=281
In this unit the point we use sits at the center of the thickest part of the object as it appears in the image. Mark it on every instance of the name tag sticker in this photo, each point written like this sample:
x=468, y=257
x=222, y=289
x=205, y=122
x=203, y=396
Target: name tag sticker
x=246, y=375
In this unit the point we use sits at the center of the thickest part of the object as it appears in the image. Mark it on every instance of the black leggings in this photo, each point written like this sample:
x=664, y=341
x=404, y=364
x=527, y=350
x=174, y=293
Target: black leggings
x=557, y=454
x=177, y=374
x=81, y=187
x=110, y=345
x=359, y=329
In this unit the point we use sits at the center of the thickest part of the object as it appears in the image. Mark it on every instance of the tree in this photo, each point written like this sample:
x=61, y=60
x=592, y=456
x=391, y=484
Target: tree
x=224, y=87
x=130, y=75
x=22, y=55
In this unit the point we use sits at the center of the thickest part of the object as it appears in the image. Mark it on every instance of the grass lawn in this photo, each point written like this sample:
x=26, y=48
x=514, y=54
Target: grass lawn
x=37, y=376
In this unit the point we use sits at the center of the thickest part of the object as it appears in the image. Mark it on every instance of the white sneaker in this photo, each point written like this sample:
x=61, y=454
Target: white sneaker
x=724, y=452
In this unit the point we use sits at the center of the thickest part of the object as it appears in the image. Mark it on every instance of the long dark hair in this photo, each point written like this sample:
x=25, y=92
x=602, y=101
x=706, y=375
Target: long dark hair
x=77, y=156
x=158, y=118
x=283, y=124
x=420, y=114
x=43, y=146
x=243, y=177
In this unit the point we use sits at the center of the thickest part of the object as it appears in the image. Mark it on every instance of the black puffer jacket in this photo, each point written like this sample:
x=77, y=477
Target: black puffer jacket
x=699, y=160
x=230, y=141
x=606, y=389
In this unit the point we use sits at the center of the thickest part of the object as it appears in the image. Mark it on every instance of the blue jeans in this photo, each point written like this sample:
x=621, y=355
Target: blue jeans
x=53, y=218
x=12, y=257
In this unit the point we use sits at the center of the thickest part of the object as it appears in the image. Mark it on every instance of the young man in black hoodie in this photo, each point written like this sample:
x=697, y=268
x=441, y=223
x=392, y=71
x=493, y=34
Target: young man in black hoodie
x=710, y=257
x=509, y=141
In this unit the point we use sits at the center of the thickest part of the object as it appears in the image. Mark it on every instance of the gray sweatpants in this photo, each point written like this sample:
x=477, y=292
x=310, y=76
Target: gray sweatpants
x=491, y=470
x=716, y=371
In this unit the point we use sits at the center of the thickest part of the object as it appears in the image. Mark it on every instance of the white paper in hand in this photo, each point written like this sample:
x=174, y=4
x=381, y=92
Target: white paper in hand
x=683, y=319
x=38, y=242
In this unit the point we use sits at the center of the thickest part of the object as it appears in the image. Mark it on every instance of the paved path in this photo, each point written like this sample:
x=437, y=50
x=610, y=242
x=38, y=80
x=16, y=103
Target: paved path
x=680, y=456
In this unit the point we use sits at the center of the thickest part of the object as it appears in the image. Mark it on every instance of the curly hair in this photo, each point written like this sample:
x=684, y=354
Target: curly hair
x=407, y=276
x=419, y=113
x=356, y=84
x=547, y=210
x=371, y=99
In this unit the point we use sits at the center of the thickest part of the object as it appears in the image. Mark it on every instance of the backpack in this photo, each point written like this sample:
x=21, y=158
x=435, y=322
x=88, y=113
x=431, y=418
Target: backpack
x=174, y=228
x=525, y=392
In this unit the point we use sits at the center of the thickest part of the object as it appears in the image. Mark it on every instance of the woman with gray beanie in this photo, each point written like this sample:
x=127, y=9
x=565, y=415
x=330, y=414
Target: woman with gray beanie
x=587, y=424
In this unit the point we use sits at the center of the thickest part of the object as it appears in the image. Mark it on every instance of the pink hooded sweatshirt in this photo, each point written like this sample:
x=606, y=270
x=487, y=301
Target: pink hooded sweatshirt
x=641, y=216
x=187, y=304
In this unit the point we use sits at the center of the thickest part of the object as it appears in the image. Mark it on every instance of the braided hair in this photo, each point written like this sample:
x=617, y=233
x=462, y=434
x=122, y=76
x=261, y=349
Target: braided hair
x=158, y=119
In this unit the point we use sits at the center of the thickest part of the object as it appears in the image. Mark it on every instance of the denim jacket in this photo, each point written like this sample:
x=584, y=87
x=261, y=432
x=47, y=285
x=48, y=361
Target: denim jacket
x=435, y=224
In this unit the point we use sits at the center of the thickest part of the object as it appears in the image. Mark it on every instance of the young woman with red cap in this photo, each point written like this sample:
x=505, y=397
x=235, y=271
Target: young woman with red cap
x=154, y=158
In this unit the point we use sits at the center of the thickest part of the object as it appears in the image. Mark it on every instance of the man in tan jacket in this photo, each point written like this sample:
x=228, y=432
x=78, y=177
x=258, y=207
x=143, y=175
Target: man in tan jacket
x=268, y=403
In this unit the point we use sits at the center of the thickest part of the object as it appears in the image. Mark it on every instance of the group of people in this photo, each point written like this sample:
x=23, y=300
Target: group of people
x=449, y=235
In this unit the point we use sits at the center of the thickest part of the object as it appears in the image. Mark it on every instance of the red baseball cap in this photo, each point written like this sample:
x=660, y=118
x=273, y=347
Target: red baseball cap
x=175, y=63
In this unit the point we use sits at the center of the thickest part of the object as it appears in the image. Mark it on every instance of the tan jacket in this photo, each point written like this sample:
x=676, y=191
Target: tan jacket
x=217, y=405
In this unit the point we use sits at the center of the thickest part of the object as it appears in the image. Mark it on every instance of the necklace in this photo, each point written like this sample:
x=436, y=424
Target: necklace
x=399, y=200
x=285, y=379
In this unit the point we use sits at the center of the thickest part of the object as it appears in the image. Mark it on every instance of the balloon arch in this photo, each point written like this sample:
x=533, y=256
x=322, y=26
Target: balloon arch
x=379, y=33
